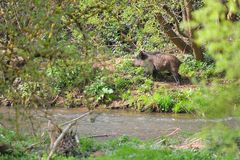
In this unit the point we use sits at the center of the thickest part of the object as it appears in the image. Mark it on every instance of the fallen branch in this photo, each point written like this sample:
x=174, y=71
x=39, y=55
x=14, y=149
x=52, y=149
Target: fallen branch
x=53, y=149
x=173, y=132
x=54, y=100
x=194, y=143
x=103, y=135
x=75, y=119
x=65, y=130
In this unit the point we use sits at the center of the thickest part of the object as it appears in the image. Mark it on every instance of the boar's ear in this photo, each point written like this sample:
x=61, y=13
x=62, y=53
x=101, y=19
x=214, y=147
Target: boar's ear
x=143, y=55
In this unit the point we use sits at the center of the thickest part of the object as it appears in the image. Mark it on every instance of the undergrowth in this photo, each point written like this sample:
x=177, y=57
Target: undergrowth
x=80, y=84
x=129, y=83
x=122, y=147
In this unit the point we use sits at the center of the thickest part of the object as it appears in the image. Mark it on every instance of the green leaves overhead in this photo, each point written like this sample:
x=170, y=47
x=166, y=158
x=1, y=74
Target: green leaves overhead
x=220, y=35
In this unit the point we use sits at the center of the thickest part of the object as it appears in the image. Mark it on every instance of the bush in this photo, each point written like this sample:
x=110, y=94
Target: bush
x=101, y=90
x=69, y=74
x=162, y=100
x=183, y=100
x=197, y=70
x=158, y=102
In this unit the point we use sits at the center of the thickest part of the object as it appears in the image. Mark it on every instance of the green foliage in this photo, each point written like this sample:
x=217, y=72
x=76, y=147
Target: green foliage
x=69, y=74
x=162, y=100
x=196, y=69
x=183, y=100
x=100, y=89
x=146, y=86
x=6, y=136
x=18, y=156
x=126, y=67
x=127, y=152
x=108, y=87
x=165, y=102
x=87, y=146
x=208, y=102
x=113, y=144
x=16, y=143
x=122, y=147
x=133, y=76
x=222, y=140
x=221, y=37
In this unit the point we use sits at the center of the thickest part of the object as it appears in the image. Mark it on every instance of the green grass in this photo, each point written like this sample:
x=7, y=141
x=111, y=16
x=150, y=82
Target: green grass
x=120, y=148
x=129, y=153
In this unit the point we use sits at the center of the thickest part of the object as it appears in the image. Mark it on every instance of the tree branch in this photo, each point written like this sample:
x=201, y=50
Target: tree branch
x=73, y=120
x=59, y=139
x=183, y=46
x=170, y=13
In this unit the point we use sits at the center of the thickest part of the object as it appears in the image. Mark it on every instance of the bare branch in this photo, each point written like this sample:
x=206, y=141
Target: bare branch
x=170, y=13
x=73, y=120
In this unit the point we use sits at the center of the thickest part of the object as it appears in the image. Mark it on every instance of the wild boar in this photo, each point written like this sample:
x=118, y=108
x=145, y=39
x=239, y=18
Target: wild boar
x=138, y=62
x=146, y=64
x=158, y=62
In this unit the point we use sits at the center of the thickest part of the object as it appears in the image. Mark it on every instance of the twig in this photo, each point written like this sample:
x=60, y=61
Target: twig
x=169, y=12
x=173, y=132
x=191, y=143
x=54, y=100
x=102, y=135
x=33, y=145
x=73, y=120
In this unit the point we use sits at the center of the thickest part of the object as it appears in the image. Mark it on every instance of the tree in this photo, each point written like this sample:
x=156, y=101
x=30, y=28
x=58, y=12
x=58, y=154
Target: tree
x=221, y=39
x=177, y=38
x=197, y=52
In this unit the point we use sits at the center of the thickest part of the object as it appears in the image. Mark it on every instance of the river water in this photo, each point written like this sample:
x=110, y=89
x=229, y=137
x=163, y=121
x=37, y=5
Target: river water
x=111, y=122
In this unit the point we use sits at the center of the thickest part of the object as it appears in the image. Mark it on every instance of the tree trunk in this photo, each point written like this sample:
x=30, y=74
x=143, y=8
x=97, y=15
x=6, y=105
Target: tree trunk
x=167, y=28
x=197, y=52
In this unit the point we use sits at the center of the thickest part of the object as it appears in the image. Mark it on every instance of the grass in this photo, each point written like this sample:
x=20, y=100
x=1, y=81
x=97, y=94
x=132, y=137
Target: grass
x=129, y=153
x=118, y=149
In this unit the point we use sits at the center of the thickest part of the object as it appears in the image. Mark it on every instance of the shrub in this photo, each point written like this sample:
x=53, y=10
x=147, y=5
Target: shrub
x=158, y=102
x=196, y=69
x=183, y=100
x=69, y=74
x=101, y=90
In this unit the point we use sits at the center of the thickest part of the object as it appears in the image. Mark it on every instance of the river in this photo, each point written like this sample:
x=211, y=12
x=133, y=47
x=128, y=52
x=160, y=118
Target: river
x=112, y=122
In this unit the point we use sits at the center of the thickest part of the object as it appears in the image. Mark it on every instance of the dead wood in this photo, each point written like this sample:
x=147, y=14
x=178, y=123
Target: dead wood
x=54, y=130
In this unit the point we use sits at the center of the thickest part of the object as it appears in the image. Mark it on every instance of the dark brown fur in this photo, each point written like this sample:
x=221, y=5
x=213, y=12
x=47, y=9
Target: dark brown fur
x=158, y=62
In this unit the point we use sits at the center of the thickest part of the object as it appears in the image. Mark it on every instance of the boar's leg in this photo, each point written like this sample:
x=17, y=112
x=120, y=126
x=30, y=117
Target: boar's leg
x=176, y=77
x=155, y=74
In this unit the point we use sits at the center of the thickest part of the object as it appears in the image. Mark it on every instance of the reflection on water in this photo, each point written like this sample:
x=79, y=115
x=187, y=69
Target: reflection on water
x=117, y=122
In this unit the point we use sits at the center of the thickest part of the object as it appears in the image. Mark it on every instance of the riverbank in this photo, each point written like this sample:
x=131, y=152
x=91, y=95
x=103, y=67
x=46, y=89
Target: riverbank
x=115, y=83
x=174, y=146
